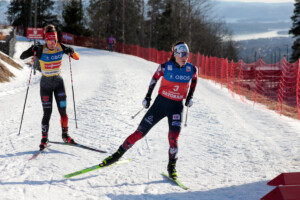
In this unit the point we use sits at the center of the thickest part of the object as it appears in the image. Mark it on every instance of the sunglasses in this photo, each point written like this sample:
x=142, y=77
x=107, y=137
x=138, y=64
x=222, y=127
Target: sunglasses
x=182, y=54
x=51, y=42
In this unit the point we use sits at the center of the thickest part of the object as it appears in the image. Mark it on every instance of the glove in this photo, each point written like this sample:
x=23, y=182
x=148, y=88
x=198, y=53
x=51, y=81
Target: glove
x=189, y=101
x=69, y=50
x=35, y=48
x=146, y=102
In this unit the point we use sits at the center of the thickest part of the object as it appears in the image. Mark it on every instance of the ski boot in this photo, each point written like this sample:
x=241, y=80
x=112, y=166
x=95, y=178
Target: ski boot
x=44, y=140
x=113, y=158
x=65, y=136
x=172, y=169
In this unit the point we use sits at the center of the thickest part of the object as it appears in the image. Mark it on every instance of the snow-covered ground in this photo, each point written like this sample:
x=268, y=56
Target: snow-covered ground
x=228, y=151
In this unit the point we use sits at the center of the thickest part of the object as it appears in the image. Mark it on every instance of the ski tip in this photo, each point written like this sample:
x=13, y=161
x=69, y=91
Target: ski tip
x=176, y=181
x=123, y=161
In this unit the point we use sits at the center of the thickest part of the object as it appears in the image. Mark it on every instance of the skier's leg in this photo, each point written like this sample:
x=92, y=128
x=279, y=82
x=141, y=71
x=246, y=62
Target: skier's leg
x=174, y=120
x=61, y=101
x=46, y=98
x=154, y=115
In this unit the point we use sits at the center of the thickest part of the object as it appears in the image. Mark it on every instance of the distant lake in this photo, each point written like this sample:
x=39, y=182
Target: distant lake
x=268, y=34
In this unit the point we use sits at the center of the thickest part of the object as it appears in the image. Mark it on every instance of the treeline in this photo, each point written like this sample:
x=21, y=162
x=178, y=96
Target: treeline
x=148, y=23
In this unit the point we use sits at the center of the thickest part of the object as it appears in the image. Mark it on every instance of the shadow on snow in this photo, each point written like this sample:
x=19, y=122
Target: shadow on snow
x=249, y=191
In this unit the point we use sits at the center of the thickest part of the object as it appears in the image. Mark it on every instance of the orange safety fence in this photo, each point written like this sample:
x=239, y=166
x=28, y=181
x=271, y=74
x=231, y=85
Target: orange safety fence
x=275, y=85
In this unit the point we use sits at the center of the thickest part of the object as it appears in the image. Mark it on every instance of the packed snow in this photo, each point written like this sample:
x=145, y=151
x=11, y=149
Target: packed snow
x=228, y=151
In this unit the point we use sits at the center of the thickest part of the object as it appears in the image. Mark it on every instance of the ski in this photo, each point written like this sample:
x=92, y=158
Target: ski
x=95, y=167
x=175, y=181
x=38, y=153
x=79, y=145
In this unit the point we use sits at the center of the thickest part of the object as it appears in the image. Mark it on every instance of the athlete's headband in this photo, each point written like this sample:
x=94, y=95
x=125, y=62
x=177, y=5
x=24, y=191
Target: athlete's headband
x=181, y=50
x=51, y=36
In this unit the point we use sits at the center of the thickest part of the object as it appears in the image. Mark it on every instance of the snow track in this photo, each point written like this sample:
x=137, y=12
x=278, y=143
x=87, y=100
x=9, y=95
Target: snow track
x=229, y=150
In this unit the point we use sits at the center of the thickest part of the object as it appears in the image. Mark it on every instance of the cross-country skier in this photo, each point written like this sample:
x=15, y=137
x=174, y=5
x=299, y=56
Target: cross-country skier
x=111, y=42
x=50, y=60
x=176, y=75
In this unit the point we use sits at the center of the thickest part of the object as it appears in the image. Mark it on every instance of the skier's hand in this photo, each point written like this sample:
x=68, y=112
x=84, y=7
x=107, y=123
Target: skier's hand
x=189, y=101
x=146, y=102
x=35, y=48
x=75, y=56
x=69, y=50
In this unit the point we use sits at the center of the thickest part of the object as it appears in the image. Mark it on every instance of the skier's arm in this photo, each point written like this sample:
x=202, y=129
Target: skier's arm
x=70, y=51
x=159, y=72
x=188, y=101
x=28, y=53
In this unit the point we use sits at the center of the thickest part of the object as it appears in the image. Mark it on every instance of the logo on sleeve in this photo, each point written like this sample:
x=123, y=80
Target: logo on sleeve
x=62, y=104
x=176, y=117
x=149, y=119
x=45, y=98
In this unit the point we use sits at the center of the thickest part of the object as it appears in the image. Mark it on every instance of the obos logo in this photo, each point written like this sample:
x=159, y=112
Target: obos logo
x=56, y=57
x=180, y=77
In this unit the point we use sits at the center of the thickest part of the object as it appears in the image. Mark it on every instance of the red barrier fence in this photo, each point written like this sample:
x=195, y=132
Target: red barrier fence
x=260, y=82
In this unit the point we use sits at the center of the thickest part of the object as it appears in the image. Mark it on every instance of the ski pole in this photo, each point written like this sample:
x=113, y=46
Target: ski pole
x=34, y=66
x=132, y=117
x=73, y=90
x=27, y=92
x=186, y=115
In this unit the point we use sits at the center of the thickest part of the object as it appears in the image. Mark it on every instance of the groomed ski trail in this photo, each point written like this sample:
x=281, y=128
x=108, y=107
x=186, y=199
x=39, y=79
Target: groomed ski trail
x=229, y=150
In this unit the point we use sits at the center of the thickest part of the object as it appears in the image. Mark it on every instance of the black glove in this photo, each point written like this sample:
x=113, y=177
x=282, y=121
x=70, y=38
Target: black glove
x=35, y=48
x=69, y=50
x=146, y=102
x=189, y=101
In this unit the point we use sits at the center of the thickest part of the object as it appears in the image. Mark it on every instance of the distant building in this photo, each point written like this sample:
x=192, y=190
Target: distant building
x=7, y=40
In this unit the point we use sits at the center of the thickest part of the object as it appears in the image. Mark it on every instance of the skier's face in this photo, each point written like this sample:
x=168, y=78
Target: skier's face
x=181, y=59
x=51, y=44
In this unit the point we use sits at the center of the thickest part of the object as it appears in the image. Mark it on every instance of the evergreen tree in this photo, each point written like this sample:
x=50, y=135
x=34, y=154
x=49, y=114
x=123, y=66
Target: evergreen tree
x=19, y=12
x=22, y=12
x=229, y=51
x=295, y=30
x=166, y=22
x=45, y=14
x=130, y=26
x=154, y=15
x=73, y=18
x=169, y=29
x=119, y=18
x=98, y=14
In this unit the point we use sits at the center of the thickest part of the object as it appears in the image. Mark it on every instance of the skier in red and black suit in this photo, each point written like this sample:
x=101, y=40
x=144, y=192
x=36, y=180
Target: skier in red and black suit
x=50, y=60
x=176, y=76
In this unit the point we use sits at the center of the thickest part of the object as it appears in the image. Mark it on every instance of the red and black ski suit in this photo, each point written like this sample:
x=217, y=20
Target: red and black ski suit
x=169, y=103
